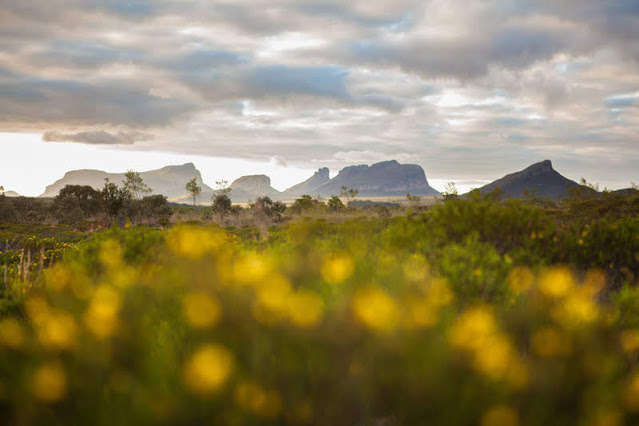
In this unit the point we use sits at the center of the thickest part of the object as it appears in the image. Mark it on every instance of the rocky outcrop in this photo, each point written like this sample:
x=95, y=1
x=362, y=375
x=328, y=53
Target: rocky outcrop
x=249, y=188
x=310, y=185
x=169, y=181
x=539, y=180
x=388, y=178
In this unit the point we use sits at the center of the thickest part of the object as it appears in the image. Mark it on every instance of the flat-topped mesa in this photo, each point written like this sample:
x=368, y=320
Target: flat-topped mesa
x=387, y=178
x=169, y=181
x=252, y=187
x=539, y=179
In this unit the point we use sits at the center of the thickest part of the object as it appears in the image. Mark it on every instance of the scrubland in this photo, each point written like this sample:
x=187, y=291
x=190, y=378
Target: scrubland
x=470, y=312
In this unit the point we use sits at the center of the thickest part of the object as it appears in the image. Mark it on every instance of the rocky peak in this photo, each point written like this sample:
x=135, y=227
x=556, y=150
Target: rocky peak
x=538, y=168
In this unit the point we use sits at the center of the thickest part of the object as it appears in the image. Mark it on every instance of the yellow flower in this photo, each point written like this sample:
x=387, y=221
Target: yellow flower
x=630, y=340
x=57, y=330
x=549, y=342
x=49, y=382
x=375, y=309
x=102, y=315
x=520, y=279
x=501, y=415
x=193, y=243
x=208, y=369
x=11, y=333
x=252, y=397
x=337, y=268
x=201, y=310
x=556, y=283
x=305, y=308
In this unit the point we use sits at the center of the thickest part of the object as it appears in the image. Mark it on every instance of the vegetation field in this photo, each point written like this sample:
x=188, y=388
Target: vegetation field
x=469, y=312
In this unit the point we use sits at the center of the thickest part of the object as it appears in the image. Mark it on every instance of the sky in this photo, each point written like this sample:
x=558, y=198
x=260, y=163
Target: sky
x=469, y=89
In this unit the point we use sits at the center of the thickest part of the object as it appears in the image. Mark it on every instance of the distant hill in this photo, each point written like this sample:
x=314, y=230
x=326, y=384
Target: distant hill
x=388, y=178
x=169, y=181
x=540, y=179
x=309, y=186
x=11, y=194
x=251, y=187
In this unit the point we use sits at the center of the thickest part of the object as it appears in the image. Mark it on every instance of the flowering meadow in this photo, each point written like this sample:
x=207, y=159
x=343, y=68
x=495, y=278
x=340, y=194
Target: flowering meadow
x=474, y=312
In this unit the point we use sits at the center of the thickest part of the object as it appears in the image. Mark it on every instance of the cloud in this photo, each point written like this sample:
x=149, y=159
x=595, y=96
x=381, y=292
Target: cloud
x=96, y=137
x=277, y=161
x=447, y=84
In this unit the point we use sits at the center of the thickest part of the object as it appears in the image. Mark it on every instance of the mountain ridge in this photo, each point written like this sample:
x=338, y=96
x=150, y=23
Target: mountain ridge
x=538, y=179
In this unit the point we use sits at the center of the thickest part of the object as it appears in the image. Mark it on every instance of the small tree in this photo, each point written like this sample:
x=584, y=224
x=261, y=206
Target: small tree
x=135, y=185
x=2, y=190
x=156, y=207
x=335, y=204
x=222, y=188
x=194, y=189
x=267, y=207
x=450, y=191
x=413, y=200
x=348, y=193
x=302, y=204
x=113, y=198
x=222, y=205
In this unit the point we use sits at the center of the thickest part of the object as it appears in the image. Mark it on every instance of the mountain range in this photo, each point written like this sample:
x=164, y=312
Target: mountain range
x=388, y=178
x=169, y=181
x=384, y=179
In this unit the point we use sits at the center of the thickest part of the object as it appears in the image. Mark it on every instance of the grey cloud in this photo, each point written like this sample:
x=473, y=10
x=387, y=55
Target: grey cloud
x=26, y=99
x=95, y=137
x=621, y=101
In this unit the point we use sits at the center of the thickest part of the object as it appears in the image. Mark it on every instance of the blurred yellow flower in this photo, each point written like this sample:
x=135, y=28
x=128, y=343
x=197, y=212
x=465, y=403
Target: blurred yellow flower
x=101, y=317
x=305, y=308
x=609, y=417
x=557, y=282
x=110, y=254
x=11, y=333
x=631, y=395
x=273, y=295
x=251, y=269
x=474, y=328
x=520, y=279
x=375, y=309
x=550, y=342
x=57, y=330
x=501, y=415
x=208, y=369
x=49, y=382
x=630, y=340
x=193, y=243
x=337, y=268
x=58, y=277
x=201, y=310
x=252, y=397
x=576, y=310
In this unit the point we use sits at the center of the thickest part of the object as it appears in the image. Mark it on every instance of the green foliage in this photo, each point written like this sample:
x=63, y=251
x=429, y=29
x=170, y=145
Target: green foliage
x=266, y=207
x=75, y=203
x=134, y=183
x=478, y=311
x=113, y=199
x=194, y=189
x=304, y=204
x=335, y=204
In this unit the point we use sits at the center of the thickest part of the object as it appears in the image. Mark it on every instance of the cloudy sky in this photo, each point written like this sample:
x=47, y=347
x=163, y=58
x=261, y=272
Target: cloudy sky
x=468, y=89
